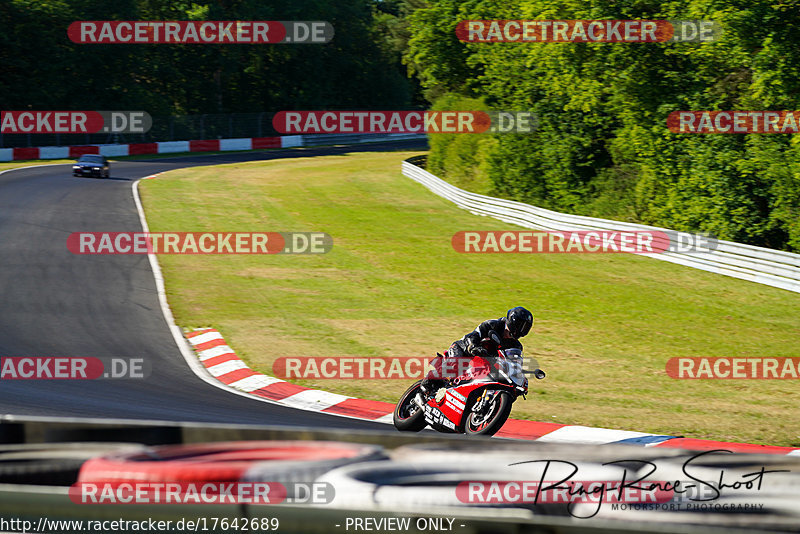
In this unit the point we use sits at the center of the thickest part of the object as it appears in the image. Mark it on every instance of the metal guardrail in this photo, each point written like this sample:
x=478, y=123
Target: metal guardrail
x=344, y=139
x=42, y=429
x=756, y=264
x=183, y=127
x=164, y=128
x=452, y=453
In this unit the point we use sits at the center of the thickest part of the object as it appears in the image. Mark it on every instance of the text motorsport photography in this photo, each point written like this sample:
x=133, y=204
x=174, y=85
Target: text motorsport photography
x=700, y=482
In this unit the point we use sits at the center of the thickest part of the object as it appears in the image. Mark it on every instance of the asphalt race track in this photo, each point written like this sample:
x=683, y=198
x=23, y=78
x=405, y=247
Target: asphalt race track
x=55, y=303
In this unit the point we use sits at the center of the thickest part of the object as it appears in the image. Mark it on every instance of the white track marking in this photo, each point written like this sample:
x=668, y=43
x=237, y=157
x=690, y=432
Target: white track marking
x=388, y=418
x=214, y=352
x=585, y=434
x=226, y=367
x=254, y=382
x=205, y=338
x=314, y=399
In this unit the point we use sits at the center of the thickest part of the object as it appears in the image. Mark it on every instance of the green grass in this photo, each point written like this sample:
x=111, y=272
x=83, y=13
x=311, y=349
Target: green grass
x=4, y=166
x=392, y=285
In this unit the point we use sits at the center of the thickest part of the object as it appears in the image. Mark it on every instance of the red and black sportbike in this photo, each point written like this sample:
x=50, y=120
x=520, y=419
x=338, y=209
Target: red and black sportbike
x=478, y=401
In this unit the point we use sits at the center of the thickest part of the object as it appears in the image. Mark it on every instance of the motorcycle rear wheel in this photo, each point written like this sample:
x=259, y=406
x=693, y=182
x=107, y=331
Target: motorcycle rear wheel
x=499, y=411
x=408, y=417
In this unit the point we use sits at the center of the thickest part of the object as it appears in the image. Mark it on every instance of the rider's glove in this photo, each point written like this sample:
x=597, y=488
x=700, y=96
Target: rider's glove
x=477, y=350
x=493, y=339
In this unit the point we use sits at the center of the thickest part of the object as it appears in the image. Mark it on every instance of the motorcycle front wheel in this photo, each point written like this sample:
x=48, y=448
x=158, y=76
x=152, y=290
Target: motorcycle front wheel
x=492, y=418
x=408, y=416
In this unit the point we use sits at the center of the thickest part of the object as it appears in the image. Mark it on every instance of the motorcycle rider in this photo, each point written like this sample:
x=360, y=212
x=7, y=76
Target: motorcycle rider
x=503, y=333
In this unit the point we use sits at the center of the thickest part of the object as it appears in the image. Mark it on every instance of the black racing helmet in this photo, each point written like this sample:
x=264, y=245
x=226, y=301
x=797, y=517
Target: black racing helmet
x=519, y=321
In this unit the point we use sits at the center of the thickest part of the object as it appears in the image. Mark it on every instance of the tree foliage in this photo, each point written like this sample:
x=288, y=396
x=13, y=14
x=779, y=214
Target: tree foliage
x=43, y=69
x=602, y=147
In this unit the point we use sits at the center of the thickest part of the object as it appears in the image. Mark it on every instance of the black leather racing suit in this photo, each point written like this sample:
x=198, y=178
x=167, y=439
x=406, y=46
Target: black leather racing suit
x=465, y=346
x=470, y=345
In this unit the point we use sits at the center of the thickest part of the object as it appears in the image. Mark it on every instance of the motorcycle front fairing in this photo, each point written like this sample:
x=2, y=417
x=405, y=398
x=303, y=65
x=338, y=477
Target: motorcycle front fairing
x=446, y=412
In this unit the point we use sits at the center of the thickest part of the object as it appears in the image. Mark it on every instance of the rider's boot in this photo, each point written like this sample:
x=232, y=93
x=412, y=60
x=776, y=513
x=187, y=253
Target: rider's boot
x=433, y=380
